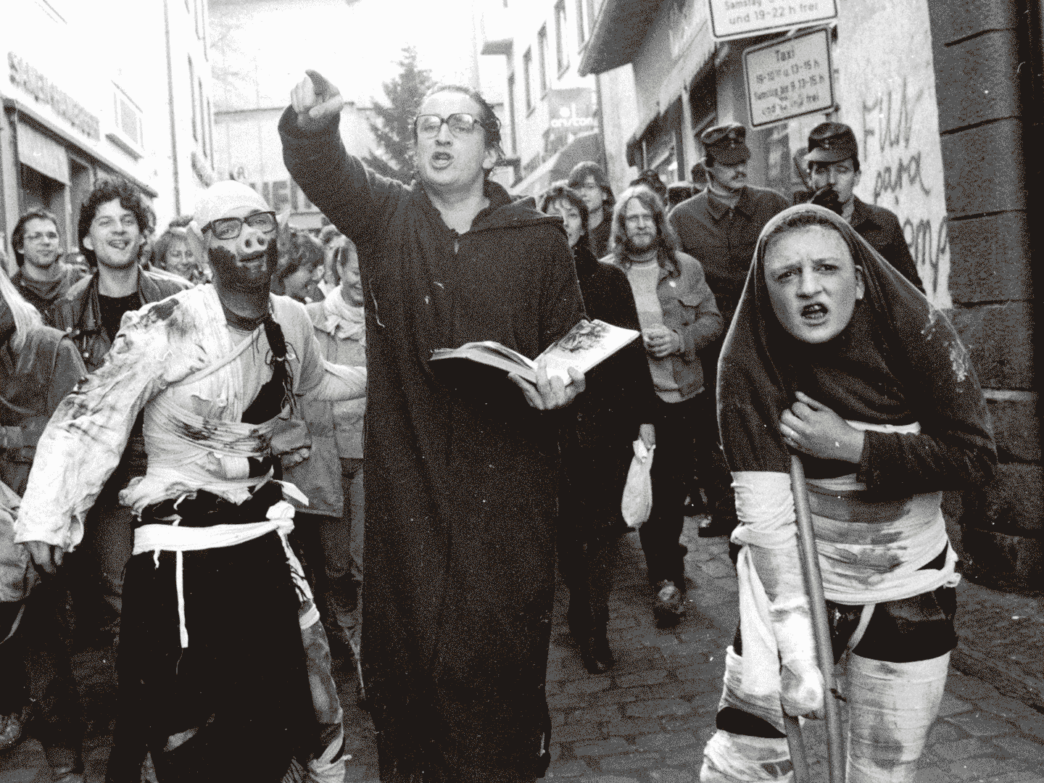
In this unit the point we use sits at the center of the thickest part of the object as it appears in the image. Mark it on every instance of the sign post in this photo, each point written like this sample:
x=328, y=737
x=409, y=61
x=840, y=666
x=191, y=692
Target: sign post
x=789, y=78
x=748, y=18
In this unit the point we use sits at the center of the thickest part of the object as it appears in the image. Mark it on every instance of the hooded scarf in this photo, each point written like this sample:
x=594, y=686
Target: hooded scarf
x=897, y=371
x=899, y=361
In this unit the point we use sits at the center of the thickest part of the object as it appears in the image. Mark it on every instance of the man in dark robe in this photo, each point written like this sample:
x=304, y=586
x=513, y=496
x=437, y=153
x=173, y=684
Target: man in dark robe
x=461, y=477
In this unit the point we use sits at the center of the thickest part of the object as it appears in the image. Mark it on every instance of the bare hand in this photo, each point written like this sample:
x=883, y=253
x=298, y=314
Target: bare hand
x=647, y=432
x=812, y=428
x=46, y=556
x=550, y=393
x=661, y=341
x=315, y=100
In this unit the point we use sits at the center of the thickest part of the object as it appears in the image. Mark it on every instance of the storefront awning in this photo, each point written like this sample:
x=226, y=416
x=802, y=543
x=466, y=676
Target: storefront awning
x=619, y=31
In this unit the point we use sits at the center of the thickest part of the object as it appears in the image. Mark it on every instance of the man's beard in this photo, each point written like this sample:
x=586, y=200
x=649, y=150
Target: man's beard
x=231, y=277
x=633, y=250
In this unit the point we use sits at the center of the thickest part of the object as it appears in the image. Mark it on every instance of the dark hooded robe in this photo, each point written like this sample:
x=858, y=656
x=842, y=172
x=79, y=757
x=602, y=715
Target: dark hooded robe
x=461, y=474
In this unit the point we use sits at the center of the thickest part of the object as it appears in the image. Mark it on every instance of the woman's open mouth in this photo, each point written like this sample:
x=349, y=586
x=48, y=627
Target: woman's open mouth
x=814, y=313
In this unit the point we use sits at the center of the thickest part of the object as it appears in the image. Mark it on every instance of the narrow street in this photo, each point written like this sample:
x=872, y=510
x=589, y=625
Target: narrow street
x=647, y=720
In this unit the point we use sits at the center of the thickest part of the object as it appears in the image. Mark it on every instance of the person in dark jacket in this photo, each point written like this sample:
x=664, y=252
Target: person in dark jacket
x=589, y=180
x=617, y=406
x=462, y=476
x=42, y=277
x=38, y=693
x=833, y=165
x=115, y=221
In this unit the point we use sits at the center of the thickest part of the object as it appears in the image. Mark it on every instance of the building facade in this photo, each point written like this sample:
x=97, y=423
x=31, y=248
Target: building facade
x=83, y=99
x=552, y=116
x=942, y=97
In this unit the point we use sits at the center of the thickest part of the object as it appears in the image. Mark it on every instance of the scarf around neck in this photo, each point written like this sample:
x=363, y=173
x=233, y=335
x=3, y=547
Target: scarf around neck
x=342, y=320
x=898, y=361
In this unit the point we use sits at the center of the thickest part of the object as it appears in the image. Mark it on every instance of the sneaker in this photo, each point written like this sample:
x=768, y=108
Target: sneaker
x=669, y=606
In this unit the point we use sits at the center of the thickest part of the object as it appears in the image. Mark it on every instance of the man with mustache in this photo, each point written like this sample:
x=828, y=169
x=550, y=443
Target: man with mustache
x=719, y=227
x=461, y=472
x=833, y=165
x=115, y=221
x=219, y=635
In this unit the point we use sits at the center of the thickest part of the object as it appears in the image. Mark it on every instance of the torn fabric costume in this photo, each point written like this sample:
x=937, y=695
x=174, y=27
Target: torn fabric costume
x=461, y=479
x=213, y=674
x=899, y=372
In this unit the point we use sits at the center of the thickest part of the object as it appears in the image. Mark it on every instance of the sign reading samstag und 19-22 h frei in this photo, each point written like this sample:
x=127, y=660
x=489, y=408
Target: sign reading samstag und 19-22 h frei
x=789, y=78
x=747, y=18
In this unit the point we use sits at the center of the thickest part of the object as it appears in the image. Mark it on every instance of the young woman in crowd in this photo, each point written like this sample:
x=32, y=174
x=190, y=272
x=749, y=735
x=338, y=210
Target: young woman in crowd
x=834, y=356
x=596, y=452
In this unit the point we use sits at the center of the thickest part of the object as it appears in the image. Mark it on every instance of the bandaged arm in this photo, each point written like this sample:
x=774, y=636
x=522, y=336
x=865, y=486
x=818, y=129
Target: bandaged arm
x=85, y=438
x=779, y=653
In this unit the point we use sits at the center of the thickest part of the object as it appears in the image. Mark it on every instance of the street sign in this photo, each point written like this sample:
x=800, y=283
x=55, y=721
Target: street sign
x=789, y=78
x=748, y=18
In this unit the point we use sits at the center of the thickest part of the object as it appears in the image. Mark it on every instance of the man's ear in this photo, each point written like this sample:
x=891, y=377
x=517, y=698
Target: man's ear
x=856, y=178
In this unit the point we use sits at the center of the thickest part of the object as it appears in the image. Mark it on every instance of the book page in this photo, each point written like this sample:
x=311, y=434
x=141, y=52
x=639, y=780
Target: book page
x=584, y=346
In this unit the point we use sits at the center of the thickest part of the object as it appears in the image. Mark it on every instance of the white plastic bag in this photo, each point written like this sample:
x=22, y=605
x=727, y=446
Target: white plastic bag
x=637, y=495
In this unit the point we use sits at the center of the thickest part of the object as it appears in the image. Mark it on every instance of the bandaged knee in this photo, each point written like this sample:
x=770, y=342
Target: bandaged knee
x=735, y=758
x=892, y=708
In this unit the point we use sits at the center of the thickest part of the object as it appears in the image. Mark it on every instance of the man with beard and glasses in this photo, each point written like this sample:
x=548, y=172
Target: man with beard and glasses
x=833, y=166
x=214, y=661
x=679, y=317
x=462, y=474
x=42, y=279
x=114, y=222
x=720, y=226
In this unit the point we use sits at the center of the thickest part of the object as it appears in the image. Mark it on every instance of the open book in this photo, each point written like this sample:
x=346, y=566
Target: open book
x=582, y=347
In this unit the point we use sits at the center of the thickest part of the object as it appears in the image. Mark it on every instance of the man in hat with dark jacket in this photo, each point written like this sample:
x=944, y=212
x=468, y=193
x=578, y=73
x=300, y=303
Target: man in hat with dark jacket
x=719, y=227
x=833, y=164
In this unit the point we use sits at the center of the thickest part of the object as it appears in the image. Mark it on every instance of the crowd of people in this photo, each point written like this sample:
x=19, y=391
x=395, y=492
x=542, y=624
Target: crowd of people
x=191, y=423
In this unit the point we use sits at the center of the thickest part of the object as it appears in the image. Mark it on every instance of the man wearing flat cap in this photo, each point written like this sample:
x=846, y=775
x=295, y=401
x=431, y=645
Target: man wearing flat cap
x=719, y=227
x=833, y=164
x=220, y=662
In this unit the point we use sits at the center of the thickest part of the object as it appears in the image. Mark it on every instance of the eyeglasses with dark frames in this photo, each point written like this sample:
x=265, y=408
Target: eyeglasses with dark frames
x=428, y=126
x=232, y=227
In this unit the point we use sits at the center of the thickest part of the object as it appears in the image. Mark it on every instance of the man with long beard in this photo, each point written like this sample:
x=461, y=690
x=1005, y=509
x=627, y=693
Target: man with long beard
x=213, y=673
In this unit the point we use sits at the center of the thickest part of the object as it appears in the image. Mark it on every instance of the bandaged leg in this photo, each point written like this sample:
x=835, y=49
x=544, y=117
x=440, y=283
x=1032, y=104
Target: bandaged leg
x=892, y=707
x=731, y=757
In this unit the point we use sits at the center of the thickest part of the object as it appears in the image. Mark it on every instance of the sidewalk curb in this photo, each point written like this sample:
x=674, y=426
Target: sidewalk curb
x=1019, y=685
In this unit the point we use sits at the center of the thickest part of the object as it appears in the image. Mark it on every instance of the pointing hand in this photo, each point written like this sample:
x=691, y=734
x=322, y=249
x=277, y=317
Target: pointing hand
x=315, y=100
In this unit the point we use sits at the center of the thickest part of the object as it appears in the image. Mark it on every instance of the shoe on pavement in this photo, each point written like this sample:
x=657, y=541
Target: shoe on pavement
x=669, y=606
x=596, y=655
x=12, y=727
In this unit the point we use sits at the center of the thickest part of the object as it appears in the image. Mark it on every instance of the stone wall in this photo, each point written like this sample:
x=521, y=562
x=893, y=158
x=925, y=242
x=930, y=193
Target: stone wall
x=987, y=62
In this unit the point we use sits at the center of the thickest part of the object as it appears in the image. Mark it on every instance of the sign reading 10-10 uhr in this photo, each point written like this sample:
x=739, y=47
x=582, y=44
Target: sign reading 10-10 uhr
x=789, y=78
x=746, y=18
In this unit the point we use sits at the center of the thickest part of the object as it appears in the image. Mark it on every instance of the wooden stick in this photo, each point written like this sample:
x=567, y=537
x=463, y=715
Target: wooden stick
x=820, y=623
x=796, y=744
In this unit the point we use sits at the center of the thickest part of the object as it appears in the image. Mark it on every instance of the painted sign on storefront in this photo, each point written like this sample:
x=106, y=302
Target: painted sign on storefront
x=572, y=114
x=747, y=18
x=788, y=79
x=27, y=78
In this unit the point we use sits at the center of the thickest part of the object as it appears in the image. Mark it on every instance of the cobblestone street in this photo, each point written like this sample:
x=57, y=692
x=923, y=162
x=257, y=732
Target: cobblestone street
x=647, y=720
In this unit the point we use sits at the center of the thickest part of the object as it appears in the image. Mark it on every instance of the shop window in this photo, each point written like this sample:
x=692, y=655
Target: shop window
x=561, y=55
x=581, y=24
x=542, y=62
x=527, y=78
x=128, y=121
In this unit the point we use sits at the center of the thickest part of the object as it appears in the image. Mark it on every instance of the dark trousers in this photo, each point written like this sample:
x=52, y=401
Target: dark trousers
x=36, y=664
x=677, y=424
x=585, y=561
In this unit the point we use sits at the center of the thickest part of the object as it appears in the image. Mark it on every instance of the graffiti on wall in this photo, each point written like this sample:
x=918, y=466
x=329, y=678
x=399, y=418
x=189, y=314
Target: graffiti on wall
x=886, y=92
x=888, y=130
